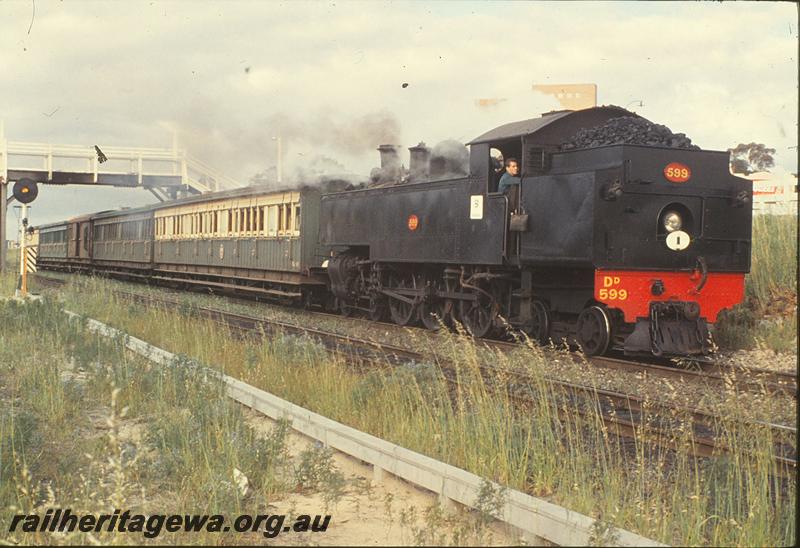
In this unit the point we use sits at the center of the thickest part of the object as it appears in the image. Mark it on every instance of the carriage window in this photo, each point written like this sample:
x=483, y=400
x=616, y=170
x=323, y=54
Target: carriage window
x=261, y=219
x=272, y=221
x=297, y=218
x=289, y=227
x=280, y=218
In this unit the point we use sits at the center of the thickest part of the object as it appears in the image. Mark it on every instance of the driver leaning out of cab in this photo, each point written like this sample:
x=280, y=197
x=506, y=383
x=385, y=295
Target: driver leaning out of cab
x=510, y=177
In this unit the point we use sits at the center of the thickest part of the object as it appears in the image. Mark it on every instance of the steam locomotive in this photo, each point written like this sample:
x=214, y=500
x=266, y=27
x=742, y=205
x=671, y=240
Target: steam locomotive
x=631, y=247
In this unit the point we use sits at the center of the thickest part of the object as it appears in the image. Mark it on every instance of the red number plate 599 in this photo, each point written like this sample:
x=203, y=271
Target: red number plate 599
x=676, y=172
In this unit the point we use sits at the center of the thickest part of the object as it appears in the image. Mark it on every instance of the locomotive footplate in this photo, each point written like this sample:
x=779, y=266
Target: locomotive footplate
x=673, y=329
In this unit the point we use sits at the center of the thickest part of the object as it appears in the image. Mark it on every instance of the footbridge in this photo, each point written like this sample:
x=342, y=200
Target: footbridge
x=168, y=173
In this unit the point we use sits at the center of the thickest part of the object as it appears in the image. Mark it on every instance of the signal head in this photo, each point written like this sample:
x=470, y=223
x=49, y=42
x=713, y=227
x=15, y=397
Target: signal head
x=25, y=191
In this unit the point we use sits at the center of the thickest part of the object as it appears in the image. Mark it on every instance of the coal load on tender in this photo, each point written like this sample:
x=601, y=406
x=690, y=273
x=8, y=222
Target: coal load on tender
x=628, y=130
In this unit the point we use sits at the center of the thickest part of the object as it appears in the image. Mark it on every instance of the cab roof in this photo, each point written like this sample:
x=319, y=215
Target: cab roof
x=556, y=117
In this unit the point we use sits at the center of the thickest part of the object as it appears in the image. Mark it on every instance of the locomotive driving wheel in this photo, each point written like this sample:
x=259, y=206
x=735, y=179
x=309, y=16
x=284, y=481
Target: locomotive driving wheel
x=539, y=327
x=594, y=330
x=434, y=311
x=402, y=312
x=478, y=315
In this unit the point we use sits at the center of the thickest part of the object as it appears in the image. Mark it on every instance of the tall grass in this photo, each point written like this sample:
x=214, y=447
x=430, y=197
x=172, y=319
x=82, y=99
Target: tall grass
x=85, y=426
x=545, y=448
x=774, y=259
x=768, y=317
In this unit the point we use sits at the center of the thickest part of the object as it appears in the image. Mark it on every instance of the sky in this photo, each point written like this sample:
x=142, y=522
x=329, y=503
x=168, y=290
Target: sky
x=227, y=77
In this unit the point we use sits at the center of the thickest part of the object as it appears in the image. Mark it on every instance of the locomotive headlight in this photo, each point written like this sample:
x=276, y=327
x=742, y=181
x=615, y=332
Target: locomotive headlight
x=672, y=221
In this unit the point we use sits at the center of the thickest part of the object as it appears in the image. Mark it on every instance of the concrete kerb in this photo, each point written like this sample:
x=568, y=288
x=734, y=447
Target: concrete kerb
x=532, y=516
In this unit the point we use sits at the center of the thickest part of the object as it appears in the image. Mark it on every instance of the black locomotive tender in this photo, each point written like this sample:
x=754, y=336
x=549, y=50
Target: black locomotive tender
x=580, y=250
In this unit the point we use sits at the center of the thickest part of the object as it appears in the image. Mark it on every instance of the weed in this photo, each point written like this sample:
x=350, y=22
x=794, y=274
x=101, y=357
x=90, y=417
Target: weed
x=316, y=471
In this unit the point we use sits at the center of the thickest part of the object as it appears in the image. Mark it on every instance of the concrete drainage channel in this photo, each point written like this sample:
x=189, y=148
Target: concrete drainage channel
x=534, y=518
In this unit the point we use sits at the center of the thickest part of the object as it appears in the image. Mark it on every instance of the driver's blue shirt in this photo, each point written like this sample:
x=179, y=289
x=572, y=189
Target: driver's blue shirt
x=506, y=181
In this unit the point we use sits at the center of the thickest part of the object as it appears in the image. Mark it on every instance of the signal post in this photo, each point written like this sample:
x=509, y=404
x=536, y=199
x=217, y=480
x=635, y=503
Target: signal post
x=23, y=252
x=25, y=191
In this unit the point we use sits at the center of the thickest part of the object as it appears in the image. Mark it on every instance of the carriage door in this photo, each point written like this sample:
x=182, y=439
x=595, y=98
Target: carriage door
x=86, y=236
x=74, y=240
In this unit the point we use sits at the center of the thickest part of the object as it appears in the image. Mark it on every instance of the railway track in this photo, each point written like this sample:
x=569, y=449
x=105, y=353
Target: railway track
x=736, y=377
x=627, y=415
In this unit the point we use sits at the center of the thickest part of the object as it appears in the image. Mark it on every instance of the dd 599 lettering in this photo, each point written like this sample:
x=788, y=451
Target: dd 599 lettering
x=611, y=293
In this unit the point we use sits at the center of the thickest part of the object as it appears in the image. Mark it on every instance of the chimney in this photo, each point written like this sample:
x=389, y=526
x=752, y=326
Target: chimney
x=419, y=158
x=390, y=159
x=390, y=170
